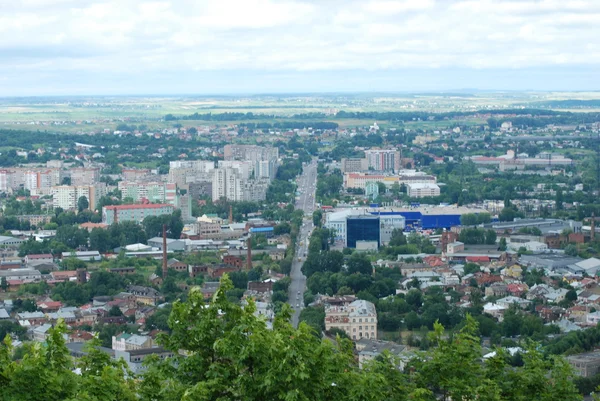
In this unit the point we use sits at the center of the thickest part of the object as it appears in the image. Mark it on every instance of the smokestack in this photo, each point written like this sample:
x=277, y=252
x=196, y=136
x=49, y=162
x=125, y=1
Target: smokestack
x=230, y=214
x=593, y=230
x=164, y=261
x=249, y=256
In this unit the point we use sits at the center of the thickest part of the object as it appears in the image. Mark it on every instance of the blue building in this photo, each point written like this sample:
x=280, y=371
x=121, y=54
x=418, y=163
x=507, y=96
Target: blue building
x=266, y=231
x=362, y=228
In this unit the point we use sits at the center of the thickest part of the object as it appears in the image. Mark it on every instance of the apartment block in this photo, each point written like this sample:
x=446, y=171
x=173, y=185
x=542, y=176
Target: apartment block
x=383, y=159
x=250, y=152
x=152, y=191
x=67, y=196
x=85, y=175
x=137, y=213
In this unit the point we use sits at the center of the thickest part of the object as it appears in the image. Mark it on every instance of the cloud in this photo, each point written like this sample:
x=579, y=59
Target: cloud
x=62, y=38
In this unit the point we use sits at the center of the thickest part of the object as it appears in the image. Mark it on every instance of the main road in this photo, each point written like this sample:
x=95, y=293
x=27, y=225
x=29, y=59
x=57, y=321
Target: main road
x=305, y=201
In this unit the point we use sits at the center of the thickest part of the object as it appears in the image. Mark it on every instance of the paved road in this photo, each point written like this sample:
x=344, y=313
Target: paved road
x=307, y=185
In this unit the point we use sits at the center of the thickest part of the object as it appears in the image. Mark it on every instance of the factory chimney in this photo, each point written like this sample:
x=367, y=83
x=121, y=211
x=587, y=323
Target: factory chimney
x=249, y=256
x=164, y=258
x=230, y=214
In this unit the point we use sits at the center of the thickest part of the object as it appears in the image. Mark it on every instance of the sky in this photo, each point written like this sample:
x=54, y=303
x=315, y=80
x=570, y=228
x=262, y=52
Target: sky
x=121, y=47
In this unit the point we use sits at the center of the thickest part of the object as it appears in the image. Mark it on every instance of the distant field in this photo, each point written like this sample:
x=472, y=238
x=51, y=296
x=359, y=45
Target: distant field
x=106, y=112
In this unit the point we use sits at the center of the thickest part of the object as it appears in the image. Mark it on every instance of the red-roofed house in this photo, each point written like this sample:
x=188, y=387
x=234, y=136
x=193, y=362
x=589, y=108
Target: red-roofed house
x=49, y=306
x=478, y=259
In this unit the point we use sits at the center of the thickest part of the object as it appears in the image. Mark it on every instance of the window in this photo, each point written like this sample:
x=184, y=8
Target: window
x=354, y=330
x=360, y=327
x=372, y=320
x=359, y=320
x=353, y=320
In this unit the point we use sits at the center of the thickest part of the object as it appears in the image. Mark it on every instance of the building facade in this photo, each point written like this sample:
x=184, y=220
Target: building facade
x=135, y=213
x=358, y=319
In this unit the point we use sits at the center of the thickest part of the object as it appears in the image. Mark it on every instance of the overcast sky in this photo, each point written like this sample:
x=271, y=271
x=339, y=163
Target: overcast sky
x=64, y=47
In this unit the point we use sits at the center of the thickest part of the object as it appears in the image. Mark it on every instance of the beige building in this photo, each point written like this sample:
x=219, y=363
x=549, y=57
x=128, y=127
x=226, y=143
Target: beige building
x=85, y=175
x=358, y=319
x=420, y=190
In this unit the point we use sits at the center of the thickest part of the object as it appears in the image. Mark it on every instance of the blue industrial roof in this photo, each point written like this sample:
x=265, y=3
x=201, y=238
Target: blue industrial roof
x=260, y=229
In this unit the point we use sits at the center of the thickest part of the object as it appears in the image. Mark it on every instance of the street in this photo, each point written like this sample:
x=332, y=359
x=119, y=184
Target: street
x=307, y=185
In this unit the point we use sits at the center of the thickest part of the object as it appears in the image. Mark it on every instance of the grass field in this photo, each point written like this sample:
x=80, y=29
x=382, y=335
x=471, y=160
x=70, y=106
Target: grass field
x=93, y=114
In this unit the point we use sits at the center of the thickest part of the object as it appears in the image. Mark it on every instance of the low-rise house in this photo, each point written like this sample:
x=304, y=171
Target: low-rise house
x=556, y=295
x=495, y=310
x=514, y=271
x=496, y=290
x=592, y=318
x=369, y=349
x=32, y=318
x=135, y=358
x=144, y=295
x=49, y=306
x=585, y=365
x=517, y=289
x=128, y=342
x=209, y=288
x=40, y=333
x=510, y=300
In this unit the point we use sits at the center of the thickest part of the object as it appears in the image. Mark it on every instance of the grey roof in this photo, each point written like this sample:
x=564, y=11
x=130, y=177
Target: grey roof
x=4, y=314
x=376, y=347
x=362, y=308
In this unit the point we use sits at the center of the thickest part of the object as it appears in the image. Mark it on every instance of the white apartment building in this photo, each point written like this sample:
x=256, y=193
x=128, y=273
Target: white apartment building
x=244, y=168
x=420, y=190
x=226, y=184
x=67, y=196
x=358, y=319
x=200, y=166
x=7, y=178
x=250, y=152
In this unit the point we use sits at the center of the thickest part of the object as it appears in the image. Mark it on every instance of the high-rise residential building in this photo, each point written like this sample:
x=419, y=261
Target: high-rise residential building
x=201, y=166
x=7, y=178
x=184, y=172
x=34, y=180
x=85, y=175
x=358, y=319
x=67, y=196
x=227, y=184
x=244, y=168
x=137, y=213
x=265, y=169
x=250, y=152
x=383, y=159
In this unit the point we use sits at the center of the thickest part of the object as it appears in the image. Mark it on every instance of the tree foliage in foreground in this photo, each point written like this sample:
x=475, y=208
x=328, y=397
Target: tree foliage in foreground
x=223, y=352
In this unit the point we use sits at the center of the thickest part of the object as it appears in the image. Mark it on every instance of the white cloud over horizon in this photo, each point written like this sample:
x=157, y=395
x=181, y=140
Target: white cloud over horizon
x=69, y=45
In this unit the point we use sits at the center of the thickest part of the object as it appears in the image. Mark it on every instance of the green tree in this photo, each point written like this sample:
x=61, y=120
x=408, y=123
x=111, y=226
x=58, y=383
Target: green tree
x=502, y=245
x=82, y=203
x=317, y=218
x=4, y=284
